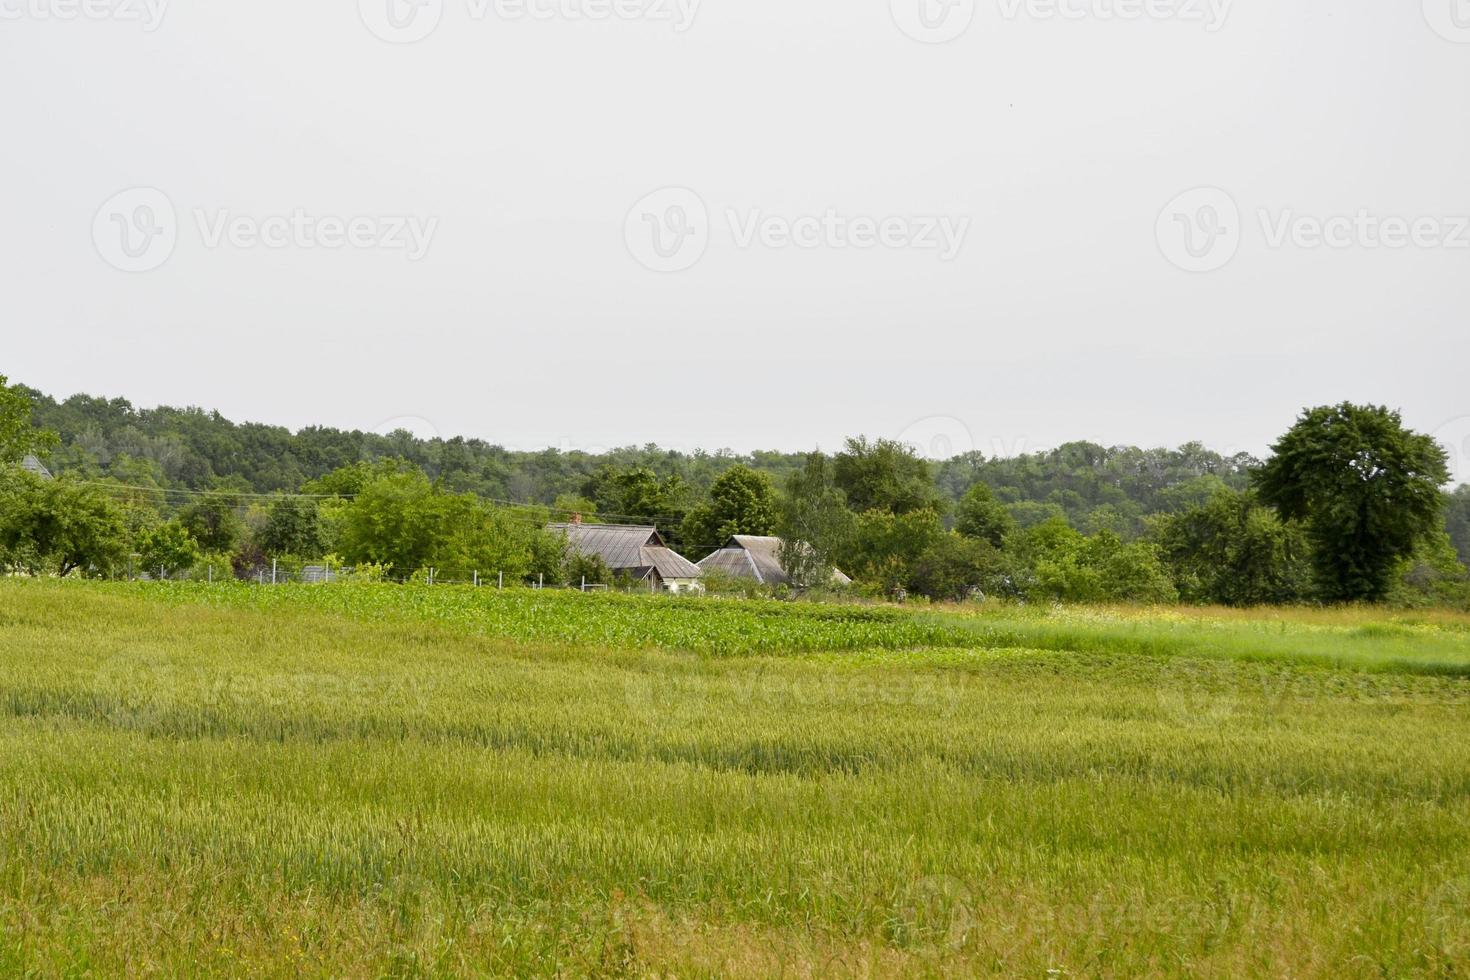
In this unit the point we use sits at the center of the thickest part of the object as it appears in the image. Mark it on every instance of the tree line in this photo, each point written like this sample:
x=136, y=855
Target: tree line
x=1348, y=507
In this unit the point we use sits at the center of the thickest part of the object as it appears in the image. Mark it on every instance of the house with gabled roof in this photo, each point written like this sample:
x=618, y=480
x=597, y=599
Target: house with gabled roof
x=635, y=552
x=751, y=556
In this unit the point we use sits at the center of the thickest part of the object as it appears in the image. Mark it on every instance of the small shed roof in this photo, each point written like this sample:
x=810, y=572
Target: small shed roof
x=33, y=465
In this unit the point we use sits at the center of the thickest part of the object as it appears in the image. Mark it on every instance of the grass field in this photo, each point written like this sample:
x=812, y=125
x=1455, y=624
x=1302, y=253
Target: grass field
x=400, y=781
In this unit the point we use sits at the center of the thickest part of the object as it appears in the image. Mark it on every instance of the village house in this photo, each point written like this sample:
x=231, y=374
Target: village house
x=636, y=553
x=751, y=557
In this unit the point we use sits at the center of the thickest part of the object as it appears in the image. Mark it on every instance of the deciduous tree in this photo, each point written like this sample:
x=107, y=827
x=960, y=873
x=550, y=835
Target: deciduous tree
x=1368, y=489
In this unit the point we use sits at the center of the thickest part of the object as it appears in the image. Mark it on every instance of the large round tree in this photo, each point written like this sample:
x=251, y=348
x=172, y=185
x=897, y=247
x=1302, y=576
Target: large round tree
x=1367, y=488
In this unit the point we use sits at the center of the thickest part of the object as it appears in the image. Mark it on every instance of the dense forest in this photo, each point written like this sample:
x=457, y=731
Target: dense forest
x=1083, y=522
x=1093, y=487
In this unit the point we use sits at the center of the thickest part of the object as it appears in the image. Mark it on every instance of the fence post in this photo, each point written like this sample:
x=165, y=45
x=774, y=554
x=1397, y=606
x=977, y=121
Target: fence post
x=211, y=573
x=273, y=571
x=540, y=580
x=502, y=581
x=584, y=583
x=477, y=578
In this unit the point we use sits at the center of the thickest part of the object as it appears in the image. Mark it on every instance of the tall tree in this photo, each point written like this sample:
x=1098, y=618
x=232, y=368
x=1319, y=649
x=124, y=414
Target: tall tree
x=293, y=526
x=58, y=526
x=885, y=475
x=741, y=501
x=213, y=521
x=1368, y=489
x=983, y=517
x=1457, y=521
x=18, y=436
x=814, y=523
x=1233, y=551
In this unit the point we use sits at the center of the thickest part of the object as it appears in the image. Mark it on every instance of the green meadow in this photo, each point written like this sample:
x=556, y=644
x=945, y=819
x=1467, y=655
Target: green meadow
x=374, y=781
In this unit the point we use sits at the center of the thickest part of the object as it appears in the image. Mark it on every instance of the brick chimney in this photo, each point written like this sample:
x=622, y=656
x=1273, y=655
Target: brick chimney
x=576, y=518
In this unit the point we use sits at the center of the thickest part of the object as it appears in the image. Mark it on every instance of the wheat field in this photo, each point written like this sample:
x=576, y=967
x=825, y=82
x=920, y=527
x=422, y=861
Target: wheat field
x=413, y=781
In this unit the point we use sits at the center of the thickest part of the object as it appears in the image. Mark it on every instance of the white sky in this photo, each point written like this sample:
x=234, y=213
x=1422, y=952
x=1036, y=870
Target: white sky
x=530, y=321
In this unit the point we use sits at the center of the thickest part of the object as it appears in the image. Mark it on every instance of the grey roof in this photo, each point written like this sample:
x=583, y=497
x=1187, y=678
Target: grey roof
x=627, y=548
x=670, y=564
x=751, y=556
x=33, y=465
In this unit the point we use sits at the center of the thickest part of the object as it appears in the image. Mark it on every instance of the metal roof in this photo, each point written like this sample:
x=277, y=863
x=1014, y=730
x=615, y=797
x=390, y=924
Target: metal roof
x=669, y=564
x=33, y=465
x=628, y=548
x=751, y=556
x=732, y=561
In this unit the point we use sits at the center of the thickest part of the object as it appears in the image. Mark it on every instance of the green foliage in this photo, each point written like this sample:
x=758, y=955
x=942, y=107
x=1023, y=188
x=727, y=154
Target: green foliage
x=1367, y=488
x=885, y=475
x=983, y=517
x=638, y=494
x=167, y=548
x=887, y=547
x=581, y=570
x=815, y=526
x=58, y=526
x=402, y=521
x=18, y=437
x=1078, y=479
x=955, y=568
x=293, y=526
x=1457, y=521
x=1067, y=566
x=1234, y=552
x=214, y=522
x=398, y=520
x=1432, y=576
x=741, y=501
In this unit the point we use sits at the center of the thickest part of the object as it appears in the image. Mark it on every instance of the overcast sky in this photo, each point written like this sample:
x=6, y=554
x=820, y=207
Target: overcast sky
x=744, y=223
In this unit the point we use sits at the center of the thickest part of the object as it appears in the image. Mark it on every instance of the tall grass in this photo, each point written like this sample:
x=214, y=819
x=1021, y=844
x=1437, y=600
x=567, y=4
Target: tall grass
x=387, y=781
